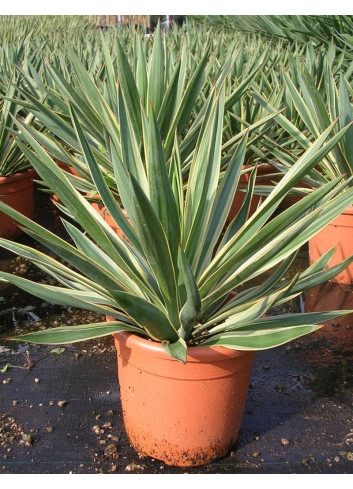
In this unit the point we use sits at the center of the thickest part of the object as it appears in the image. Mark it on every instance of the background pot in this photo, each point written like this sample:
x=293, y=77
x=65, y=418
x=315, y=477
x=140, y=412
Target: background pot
x=17, y=192
x=266, y=175
x=337, y=334
x=263, y=177
x=99, y=207
x=67, y=168
x=339, y=233
x=183, y=414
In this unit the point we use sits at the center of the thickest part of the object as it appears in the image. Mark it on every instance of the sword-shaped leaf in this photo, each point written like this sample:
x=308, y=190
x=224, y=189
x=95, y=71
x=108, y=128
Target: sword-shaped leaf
x=55, y=295
x=250, y=230
x=74, y=334
x=191, y=310
x=89, y=88
x=346, y=118
x=141, y=72
x=168, y=103
x=129, y=90
x=130, y=144
x=115, y=247
x=187, y=103
x=155, y=245
x=283, y=245
x=222, y=205
x=289, y=320
x=160, y=190
x=203, y=182
x=258, y=340
x=177, y=350
x=147, y=315
x=248, y=314
x=156, y=72
x=82, y=263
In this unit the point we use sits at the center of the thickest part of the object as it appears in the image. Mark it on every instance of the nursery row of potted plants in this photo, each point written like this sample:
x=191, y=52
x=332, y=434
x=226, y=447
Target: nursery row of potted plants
x=159, y=137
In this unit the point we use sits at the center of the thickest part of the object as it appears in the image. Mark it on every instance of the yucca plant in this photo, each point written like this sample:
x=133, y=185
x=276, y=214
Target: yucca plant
x=171, y=278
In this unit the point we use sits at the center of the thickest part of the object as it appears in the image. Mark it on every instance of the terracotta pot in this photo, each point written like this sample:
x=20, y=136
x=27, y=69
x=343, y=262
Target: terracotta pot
x=17, y=192
x=266, y=175
x=338, y=233
x=183, y=414
x=109, y=220
x=331, y=296
x=261, y=179
x=337, y=333
x=67, y=168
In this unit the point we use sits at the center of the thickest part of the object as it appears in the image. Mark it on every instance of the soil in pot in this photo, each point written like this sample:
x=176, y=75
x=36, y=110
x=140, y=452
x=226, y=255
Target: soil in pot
x=183, y=414
x=17, y=192
x=339, y=233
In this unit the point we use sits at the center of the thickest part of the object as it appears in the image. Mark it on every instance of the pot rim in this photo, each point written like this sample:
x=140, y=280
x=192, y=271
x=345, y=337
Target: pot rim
x=19, y=176
x=348, y=211
x=195, y=354
x=263, y=168
x=103, y=209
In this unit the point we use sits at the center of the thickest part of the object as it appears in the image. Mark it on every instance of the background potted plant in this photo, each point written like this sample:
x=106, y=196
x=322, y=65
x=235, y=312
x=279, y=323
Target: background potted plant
x=165, y=291
x=319, y=98
x=16, y=174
